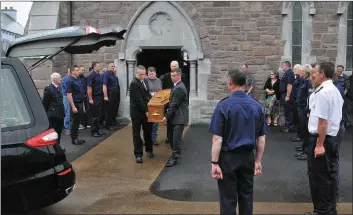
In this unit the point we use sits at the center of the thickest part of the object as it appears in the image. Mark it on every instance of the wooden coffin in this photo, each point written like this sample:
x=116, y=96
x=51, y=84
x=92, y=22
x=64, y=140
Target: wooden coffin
x=157, y=106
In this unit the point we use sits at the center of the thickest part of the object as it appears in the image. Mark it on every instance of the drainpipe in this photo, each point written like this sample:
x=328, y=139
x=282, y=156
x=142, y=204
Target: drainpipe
x=70, y=24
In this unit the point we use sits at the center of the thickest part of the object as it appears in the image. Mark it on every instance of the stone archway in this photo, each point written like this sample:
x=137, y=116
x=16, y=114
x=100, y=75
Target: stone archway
x=161, y=25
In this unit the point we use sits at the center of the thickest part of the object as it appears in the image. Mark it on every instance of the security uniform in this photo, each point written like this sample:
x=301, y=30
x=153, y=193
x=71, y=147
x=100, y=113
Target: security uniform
x=54, y=106
x=239, y=120
x=326, y=104
x=94, y=80
x=302, y=103
x=74, y=86
x=85, y=115
x=294, y=93
x=287, y=78
x=112, y=105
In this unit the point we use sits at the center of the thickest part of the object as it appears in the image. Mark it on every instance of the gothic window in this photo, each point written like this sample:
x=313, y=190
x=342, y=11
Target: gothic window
x=349, y=55
x=297, y=25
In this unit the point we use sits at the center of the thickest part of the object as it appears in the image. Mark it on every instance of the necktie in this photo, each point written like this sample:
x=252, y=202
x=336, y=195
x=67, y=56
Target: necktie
x=144, y=85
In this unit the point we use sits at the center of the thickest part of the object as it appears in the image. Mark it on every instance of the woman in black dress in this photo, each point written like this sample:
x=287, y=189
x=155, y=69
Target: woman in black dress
x=272, y=98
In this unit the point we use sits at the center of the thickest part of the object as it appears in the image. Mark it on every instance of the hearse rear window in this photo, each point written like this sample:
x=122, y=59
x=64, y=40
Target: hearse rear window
x=13, y=108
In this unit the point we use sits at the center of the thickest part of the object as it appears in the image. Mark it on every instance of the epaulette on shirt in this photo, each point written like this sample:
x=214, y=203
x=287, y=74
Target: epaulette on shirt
x=319, y=89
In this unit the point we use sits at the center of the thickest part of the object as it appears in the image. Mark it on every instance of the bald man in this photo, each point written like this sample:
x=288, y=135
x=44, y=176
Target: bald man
x=53, y=104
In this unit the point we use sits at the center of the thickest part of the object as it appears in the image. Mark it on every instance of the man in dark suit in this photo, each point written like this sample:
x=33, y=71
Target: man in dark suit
x=177, y=115
x=139, y=97
x=53, y=104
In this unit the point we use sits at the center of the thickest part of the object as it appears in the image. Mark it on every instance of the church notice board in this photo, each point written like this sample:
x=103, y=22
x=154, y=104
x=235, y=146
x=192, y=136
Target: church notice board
x=157, y=105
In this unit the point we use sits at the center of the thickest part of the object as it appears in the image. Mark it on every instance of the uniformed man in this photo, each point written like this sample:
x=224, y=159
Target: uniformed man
x=95, y=97
x=111, y=92
x=294, y=93
x=324, y=123
x=53, y=104
x=85, y=115
x=75, y=95
x=286, y=83
x=302, y=103
x=238, y=125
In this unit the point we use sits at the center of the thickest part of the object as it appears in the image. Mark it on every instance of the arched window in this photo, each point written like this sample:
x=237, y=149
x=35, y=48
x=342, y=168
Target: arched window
x=297, y=26
x=349, y=49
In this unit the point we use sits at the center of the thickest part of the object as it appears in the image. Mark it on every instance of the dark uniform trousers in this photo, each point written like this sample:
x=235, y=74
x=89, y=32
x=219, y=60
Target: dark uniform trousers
x=237, y=183
x=85, y=120
x=303, y=126
x=339, y=138
x=95, y=112
x=136, y=135
x=76, y=117
x=111, y=107
x=57, y=125
x=288, y=111
x=323, y=174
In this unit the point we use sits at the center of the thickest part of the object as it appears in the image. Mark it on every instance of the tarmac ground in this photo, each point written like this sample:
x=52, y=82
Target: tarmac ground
x=110, y=182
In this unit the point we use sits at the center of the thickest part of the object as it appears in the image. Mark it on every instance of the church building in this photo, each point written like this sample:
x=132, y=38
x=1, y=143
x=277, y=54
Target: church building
x=206, y=38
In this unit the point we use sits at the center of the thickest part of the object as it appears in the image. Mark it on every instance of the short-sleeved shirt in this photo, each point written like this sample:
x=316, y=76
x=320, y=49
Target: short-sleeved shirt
x=75, y=86
x=240, y=120
x=303, y=93
x=83, y=80
x=110, y=79
x=94, y=80
x=342, y=83
x=287, y=78
x=64, y=84
x=326, y=103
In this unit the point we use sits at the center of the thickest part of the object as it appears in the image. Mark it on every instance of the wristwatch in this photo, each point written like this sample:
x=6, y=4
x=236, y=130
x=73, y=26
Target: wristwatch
x=214, y=162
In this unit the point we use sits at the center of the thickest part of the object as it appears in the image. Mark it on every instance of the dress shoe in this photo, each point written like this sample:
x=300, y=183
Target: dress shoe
x=303, y=156
x=299, y=147
x=298, y=154
x=101, y=133
x=171, y=162
x=296, y=139
x=138, y=160
x=78, y=141
x=111, y=128
x=150, y=154
x=96, y=134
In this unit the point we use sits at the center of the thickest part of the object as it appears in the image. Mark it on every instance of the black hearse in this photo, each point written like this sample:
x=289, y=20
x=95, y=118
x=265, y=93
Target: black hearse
x=34, y=170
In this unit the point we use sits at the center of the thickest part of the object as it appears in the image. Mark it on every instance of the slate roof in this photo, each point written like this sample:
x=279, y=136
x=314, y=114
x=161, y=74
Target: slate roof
x=11, y=25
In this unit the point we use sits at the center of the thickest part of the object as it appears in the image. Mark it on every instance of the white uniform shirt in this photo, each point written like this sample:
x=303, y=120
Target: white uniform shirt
x=325, y=103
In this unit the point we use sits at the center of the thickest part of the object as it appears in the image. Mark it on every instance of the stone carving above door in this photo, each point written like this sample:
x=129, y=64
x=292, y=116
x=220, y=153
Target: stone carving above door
x=160, y=23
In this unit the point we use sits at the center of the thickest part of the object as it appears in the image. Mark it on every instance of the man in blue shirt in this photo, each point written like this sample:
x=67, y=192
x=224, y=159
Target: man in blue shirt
x=83, y=79
x=95, y=97
x=111, y=91
x=67, y=125
x=296, y=84
x=75, y=95
x=238, y=125
x=286, y=83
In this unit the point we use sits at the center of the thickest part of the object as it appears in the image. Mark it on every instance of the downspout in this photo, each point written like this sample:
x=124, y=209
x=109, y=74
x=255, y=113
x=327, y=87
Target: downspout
x=70, y=24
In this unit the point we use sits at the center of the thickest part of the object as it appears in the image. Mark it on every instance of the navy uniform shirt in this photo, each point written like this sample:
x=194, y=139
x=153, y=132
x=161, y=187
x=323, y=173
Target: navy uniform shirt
x=83, y=80
x=240, y=120
x=296, y=84
x=303, y=93
x=110, y=79
x=287, y=78
x=94, y=80
x=75, y=87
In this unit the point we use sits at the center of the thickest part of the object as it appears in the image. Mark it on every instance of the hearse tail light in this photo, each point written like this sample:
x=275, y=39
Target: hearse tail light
x=46, y=138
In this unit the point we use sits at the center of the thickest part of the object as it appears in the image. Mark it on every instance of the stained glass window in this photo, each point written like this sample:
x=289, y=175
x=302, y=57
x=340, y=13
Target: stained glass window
x=297, y=25
x=349, y=54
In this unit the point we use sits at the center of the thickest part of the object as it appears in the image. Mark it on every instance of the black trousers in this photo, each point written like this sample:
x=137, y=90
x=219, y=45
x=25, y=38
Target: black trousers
x=288, y=111
x=303, y=126
x=57, y=125
x=236, y=187
x=117, y=107
x=75, y=118
x=323, y=172
x=176, y=139
x=85, y=117
x=348, y=111
x=137, y=123
x=111, y=108
x=296, y=116
x=95, y=112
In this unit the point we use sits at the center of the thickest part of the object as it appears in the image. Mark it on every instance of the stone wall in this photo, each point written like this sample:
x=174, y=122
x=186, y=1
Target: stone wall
x=232, y=33
x=325, y=31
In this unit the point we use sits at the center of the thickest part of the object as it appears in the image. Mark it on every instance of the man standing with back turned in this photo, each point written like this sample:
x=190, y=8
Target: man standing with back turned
x=324, y=123
x=238, y=125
